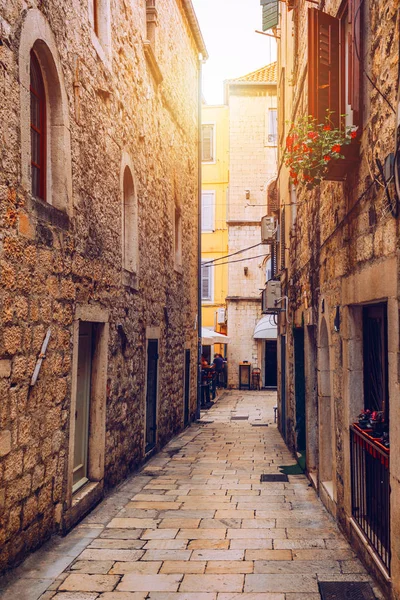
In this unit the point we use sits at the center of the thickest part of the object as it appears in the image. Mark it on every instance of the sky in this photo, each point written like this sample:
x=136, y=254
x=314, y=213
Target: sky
x=228, y=28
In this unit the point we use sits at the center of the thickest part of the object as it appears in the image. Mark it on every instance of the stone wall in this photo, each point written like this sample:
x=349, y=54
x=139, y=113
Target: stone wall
x=55, y=261
x=343, y=236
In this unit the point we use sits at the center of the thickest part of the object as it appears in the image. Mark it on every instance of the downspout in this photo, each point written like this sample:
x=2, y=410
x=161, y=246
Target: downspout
x=199, y=179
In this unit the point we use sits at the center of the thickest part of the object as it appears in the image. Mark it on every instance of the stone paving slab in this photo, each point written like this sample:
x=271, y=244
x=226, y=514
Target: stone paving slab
x=197, y=524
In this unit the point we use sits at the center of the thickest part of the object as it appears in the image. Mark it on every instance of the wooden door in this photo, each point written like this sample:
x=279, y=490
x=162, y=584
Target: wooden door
x=151, y=394
x=82, y=405
x=271, y=364
x=187, y=388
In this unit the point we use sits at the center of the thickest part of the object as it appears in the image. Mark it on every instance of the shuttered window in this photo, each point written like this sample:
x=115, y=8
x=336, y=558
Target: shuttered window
x=334, y=79
x=206, y=282
x=282, y=229
x=207, y=143
x=323, y=65
x=272, y=127
x=208, y=211
x=354, y=44
x=270, y=14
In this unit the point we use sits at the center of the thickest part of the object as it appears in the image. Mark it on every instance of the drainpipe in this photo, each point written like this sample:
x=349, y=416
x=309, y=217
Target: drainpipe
x=199, y=244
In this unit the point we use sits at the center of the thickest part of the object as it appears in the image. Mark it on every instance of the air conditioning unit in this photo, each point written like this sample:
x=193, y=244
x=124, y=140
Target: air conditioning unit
x=268, y=230
x=271, y=297
x=221, y=316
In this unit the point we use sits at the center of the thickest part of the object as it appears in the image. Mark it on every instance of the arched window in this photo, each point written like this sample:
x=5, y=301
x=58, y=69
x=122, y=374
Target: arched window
x=38, y=129
x=130, y=228
x=177, y=234
x=45, y=133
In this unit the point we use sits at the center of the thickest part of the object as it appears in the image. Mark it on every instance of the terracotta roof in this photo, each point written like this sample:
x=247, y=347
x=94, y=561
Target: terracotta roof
x=267, y=74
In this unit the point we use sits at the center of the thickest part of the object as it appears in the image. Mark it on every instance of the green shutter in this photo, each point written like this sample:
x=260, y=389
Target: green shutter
x=270, y=13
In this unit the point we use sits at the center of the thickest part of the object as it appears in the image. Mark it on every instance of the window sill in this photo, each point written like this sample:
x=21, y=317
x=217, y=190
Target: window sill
x=152, y=61
x=50, y=214
x=130, y=280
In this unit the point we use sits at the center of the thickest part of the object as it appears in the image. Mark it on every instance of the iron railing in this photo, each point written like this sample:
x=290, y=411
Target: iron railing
x=370, y=491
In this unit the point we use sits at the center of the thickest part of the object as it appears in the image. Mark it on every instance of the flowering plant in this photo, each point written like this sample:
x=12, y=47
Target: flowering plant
x=310, y=146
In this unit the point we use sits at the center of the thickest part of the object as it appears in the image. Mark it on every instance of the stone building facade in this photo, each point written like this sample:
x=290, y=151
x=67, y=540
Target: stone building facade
x=339, y=269
x=214, y=235
x=98, y=209
x=252, y=167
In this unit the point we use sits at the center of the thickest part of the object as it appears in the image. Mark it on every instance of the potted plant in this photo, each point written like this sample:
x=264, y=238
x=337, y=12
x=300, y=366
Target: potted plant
x=311, y=146
x=364, y=419
x=376, y=421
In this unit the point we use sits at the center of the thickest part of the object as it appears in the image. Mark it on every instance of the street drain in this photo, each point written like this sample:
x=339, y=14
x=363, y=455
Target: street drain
x=277, y=477
x=259, y=424
x=204, y=422
x=239, y=418
x=345, y=590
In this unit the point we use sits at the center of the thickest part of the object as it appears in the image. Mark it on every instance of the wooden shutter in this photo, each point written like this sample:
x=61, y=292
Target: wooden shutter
x=205, y=282
x=282, y=240
x=207, y=143
x=207, y=211
x=270, y=14
x=355, y=51
x=323, y=66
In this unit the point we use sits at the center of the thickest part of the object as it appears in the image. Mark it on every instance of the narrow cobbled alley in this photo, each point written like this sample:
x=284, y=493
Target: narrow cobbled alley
x=197, y=524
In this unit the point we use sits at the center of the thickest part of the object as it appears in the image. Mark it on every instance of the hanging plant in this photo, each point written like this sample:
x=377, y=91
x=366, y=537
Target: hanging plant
x=310, y=146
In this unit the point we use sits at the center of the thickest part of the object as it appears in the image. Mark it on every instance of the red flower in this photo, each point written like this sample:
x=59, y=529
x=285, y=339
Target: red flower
x=336, y=148
x=327, y=158
x=313, y=135
x=289, y=142
x=327, y=128
x=353, y=134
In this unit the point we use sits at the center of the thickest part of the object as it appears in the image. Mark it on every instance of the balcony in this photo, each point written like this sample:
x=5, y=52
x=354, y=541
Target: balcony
x=370, y=491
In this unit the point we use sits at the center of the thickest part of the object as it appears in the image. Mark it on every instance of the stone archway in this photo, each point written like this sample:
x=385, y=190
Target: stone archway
x=325, y=412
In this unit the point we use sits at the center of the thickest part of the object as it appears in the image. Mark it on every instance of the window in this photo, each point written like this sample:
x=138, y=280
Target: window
x=100, y=21
x=151, y=22
x=130, y=225
x=334, y=81
x=207, y=211
x=272, y=127
x=178, y=236
x=38, y=129
x=206, y=281
x=207, y=143
x=268, y=270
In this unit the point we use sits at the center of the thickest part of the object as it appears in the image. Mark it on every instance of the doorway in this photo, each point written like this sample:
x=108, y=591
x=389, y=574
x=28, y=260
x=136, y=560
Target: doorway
x=151, y=394
x=282, y=421
x=271, y=364
x=300, y=389
x=186, y=388
x=82, y=409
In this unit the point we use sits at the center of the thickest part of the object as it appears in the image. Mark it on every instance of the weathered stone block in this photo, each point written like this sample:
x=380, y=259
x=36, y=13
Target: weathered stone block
x=5, y=443
x=5, y=368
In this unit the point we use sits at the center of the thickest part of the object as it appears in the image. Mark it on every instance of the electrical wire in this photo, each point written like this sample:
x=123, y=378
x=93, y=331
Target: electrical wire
x=229, y=262
x=210, y=262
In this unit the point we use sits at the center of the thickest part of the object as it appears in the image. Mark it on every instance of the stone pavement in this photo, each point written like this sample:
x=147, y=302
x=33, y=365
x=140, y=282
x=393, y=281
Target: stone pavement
x=197, y=524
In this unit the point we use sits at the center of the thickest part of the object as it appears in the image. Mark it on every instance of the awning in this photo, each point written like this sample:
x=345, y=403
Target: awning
x=265, y=329
x=209, y=337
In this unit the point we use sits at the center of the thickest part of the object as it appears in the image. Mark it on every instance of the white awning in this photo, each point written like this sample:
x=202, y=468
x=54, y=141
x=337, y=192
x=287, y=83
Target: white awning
x=265, y=329
x=209, y=337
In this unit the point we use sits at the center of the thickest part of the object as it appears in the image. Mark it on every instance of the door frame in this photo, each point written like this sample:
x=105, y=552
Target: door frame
x=186, y=383
x=98, y=395
x=152, y=333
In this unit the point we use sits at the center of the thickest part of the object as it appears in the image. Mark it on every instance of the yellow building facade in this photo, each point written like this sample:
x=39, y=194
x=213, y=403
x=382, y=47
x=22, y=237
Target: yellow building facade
x=214, y=236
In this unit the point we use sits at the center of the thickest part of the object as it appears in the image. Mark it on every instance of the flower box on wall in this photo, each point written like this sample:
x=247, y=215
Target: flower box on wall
x=339, y=168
